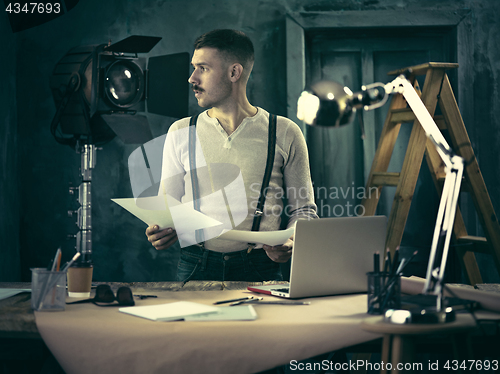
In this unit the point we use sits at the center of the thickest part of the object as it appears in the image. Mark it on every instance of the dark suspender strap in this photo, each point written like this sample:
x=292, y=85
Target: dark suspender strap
x=194, y=175
x=271, y=149
x=192, y=162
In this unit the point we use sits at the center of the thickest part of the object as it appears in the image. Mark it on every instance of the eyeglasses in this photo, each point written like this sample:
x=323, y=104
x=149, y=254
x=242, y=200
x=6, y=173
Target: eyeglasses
x=104, y=294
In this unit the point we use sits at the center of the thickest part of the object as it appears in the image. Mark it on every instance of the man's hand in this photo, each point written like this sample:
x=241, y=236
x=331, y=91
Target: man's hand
x=161, y=239
x=280, y=253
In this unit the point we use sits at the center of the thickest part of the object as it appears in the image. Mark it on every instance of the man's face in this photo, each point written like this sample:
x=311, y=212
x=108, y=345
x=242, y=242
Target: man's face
x=210, y=78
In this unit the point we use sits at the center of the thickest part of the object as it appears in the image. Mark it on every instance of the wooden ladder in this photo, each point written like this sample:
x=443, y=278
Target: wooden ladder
x=436, y=90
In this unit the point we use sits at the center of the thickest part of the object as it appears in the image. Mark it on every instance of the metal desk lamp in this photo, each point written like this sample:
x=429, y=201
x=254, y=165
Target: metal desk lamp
x=327, y=103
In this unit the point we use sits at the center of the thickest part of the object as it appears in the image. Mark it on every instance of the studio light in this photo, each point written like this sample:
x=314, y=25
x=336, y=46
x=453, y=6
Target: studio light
x=100, y=89
x=329, y=104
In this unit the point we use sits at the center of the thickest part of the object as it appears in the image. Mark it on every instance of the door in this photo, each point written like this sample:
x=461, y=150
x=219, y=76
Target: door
x=341, y=158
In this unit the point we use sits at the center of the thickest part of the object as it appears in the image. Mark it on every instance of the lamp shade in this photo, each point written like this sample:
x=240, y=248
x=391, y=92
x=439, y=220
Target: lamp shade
x=326, y=103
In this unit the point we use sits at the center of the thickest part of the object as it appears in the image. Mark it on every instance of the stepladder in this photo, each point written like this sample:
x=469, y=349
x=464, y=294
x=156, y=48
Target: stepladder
x=436, y=91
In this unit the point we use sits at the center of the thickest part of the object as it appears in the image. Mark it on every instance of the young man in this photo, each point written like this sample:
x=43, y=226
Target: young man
x=233, y=131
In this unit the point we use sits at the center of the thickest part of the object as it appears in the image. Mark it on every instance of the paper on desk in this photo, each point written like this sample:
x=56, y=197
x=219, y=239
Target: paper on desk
x=155, y=210
x=227, y=313
x=8, y=292
x=170, y=311
x=259, y=237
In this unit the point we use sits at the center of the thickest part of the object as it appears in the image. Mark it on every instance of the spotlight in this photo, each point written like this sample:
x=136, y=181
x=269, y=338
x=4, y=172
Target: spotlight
x=99, y=89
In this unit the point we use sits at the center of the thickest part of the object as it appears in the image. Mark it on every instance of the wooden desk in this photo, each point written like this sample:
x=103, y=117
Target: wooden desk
x=89, y=339
x=280, y=335
x=16, y=316
x=17, y=319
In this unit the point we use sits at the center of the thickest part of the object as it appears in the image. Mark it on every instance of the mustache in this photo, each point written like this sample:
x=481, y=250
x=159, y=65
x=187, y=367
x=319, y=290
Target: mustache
x=197, y=88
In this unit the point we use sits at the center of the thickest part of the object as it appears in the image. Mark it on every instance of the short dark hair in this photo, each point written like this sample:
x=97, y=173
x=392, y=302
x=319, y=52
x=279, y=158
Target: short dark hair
x=235, y=44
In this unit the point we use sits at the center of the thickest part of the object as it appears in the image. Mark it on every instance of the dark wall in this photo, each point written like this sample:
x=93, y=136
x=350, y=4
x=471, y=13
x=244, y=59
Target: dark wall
x=35, y=170
x=9, y=171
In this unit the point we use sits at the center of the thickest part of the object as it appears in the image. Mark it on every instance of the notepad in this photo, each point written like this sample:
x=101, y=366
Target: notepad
x=227, y=313
x=169, y=312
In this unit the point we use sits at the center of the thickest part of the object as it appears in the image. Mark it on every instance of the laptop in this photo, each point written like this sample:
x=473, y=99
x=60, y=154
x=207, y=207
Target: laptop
x=331, y=256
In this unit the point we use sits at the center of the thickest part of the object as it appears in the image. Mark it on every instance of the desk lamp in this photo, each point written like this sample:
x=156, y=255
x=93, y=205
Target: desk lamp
x=327, y=103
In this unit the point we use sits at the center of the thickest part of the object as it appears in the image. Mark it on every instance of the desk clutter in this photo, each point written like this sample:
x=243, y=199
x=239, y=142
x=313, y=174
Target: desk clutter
x=239, y=309
x=384, y=286
x=48, y=285
x=277, y=335
x=191, y=311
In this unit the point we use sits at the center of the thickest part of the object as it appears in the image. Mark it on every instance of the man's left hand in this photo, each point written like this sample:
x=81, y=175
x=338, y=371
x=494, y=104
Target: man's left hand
x=280, y=253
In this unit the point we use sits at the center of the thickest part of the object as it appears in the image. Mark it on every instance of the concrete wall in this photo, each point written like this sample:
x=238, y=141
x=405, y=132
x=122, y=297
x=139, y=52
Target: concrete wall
x=10, y=266
x=35, y=170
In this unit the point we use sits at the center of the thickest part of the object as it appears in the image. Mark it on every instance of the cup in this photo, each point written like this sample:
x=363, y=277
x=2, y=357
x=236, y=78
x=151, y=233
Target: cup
x=384, y=292
x=80, y=280
x=48, y=290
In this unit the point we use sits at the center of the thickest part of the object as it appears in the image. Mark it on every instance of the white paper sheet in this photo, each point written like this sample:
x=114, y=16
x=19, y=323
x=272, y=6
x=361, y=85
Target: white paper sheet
x=169, y=311
x=154, y=210
x=259, y=237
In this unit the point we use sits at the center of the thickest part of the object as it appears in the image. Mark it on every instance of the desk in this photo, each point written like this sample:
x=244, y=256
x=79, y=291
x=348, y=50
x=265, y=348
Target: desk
x=89, y=339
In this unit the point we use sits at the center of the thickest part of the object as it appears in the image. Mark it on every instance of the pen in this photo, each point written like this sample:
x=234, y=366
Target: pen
x=404, y=264
x=233, y=300
x=395, y=261
x=376, y=262
x=387, y=264
x=274, y=302
x=246, y=301
x=142, y=297
x=66, y=267
x=57, y=259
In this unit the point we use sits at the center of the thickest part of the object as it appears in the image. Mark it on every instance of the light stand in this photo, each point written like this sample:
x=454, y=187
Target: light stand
x=373, y=96
x=84, y=220
x=99, y=91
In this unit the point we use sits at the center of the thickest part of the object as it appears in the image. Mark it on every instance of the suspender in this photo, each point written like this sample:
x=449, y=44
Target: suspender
x=194, y=176
x=271, y=148
x=192, y=162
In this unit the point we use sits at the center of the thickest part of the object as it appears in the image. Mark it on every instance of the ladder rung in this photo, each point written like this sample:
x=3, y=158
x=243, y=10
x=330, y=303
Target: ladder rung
x=385, y=179
x=422, y=69
x=479, y=244
x=403, y=115
x=406, y=115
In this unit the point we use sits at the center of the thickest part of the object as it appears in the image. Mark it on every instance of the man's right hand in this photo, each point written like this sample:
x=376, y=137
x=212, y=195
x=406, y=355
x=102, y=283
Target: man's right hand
x=161, y=239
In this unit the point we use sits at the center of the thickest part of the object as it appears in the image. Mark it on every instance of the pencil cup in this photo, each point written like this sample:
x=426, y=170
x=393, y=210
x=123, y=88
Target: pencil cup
x=79, y=280
x=384, y=292
x=48, y=290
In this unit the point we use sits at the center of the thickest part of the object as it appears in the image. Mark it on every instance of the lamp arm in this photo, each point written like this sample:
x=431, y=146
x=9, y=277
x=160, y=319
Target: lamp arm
x=403, y=86
x=454, y=166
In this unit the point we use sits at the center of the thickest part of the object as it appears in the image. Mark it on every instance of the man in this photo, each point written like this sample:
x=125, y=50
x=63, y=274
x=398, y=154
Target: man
x=234, y=131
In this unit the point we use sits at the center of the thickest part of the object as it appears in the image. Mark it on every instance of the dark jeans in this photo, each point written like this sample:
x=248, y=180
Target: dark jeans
x=198, y=263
